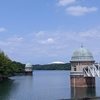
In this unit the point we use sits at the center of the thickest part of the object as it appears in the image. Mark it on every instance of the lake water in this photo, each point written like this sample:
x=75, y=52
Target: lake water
x=44, y=85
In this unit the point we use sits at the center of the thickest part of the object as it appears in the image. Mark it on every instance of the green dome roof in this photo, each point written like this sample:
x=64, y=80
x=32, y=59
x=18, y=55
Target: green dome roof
x=82, y=54
x=28, y=65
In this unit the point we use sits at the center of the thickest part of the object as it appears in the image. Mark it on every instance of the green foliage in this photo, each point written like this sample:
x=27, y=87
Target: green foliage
x=8, y=67
x=4, y=65
x=66, y=66
x=17, y=67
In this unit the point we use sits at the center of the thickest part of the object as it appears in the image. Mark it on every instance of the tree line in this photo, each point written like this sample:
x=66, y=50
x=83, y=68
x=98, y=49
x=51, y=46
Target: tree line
x=9, y=67
x=66, y=66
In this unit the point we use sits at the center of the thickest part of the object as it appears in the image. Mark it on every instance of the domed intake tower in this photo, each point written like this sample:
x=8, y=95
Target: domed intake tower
x=79, y=60
x=28, y=68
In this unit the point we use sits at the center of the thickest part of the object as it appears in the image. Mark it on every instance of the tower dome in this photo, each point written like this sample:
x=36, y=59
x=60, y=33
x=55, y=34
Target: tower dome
x=82, y=54
x=28, y=65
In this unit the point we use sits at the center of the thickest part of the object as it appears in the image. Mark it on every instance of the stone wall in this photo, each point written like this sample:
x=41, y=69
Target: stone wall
x=82, y=81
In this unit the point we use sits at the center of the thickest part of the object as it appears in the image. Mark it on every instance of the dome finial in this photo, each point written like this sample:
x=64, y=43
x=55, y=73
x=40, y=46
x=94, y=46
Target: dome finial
x=81, y=45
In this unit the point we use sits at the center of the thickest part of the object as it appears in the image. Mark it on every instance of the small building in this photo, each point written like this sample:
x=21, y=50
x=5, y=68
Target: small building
x=28, y=69
x=80, y=59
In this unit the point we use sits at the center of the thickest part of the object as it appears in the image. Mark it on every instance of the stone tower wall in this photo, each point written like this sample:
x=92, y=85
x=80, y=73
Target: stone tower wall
x=82, y=81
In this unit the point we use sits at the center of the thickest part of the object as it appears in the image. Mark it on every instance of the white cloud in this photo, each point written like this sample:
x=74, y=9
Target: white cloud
x=2, y=43
x=40, y=33
x=65, y=2
x=59, y=45
x=15, y=39
x=79, y=10
x=48, y=41
x=12, y=42
x=2, y=29
x=91, y=33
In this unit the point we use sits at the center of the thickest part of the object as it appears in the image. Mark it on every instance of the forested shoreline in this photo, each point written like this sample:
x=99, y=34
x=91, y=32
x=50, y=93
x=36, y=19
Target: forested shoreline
x=9, y=68
x=66, y=66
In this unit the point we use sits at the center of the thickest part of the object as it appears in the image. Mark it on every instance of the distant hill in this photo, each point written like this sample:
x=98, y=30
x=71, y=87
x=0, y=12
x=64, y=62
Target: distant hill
x=53, y=66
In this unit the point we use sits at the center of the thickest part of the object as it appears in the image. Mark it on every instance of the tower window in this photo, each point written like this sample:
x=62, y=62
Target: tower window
x=74, y=68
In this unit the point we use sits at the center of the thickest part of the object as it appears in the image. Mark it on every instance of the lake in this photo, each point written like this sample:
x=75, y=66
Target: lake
x=44, y=85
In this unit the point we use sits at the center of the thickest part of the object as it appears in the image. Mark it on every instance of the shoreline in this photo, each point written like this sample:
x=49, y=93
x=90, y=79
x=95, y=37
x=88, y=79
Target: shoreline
x=4, y=79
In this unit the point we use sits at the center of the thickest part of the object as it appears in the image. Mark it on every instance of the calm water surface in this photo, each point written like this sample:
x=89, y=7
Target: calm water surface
x=44, y=85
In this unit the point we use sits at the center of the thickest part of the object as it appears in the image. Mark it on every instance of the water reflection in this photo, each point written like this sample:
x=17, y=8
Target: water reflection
x=5, y=87
x=44, y=85
x=82, y=92
x=17, y=88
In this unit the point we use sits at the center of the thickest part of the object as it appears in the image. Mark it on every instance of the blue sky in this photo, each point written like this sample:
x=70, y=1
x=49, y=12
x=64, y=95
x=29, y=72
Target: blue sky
x=43, y=31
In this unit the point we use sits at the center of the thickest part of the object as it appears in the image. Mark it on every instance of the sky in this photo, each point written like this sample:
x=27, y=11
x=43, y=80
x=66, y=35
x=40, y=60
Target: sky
x=44, y=31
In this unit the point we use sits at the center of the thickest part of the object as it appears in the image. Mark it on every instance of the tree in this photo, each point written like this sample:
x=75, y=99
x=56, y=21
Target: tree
x=9, y=67
x=4, y=65
x=17, y=67
x=66, y=66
